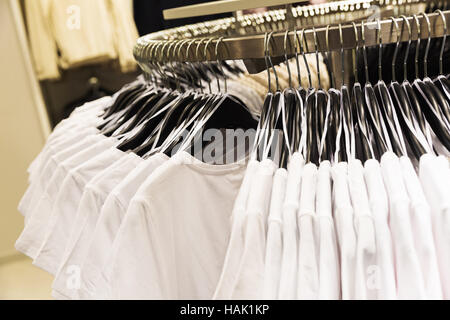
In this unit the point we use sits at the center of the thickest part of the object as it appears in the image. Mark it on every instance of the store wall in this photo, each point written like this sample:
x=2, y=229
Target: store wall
x=23, y=121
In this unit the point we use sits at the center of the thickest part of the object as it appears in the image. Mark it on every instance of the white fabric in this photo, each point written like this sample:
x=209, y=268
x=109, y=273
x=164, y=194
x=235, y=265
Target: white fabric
x=366, y=270
x=343, y=219
x=435, y=187
x=109, y=221
x=169, y=249
x=64, y=210
x=250, y=276
x=422, y=230
x=85, y=117
x=92, y=200
x=328, y=259
x=444, y=163
x=225, y=286
x=288, y=278
x=33, y=235
x=70, y=144
x=308, y=267
x=380, y=212
x=408, y=273
x=274, y=243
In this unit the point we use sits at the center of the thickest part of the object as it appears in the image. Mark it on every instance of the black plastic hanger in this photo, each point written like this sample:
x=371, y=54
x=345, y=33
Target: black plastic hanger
x=122, y=100
x=386, y=104
x=138, y=138
x=287, y=122
x=143, y=139
x=427, y=103
x=152, y=105
x=360, y=109
x=131, y=111
x=402, y=103
x=380, y=144
x=321, y=112
x=312, y=150
x=215, y=111
x=441, y=97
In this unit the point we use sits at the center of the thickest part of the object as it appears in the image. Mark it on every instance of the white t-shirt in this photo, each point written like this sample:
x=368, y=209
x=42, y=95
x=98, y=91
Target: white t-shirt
x=308, y=267
x=92, y=200
x=328, y=259
x=343, y=219
x=422, y=231
x=250, y=275
x=274, y=243
x=109, y=221
x=65, y=208
x=71, y=144
x=380, y=213
x=225, y=286
x=366, y=270
x=32, y=237
x=408, y=273
x=436, y=187
x=84, y=116
x=58, y=143
x=445, y=165
x=288, y=278
x=168, y=249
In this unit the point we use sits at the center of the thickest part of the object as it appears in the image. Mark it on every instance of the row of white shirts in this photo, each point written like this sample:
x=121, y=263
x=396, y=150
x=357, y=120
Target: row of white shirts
x=111, y=225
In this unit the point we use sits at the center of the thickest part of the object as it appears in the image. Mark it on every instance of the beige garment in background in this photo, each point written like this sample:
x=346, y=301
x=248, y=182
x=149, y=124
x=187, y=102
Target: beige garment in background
x=83, y=31
x=125, y=32
x=42, y=43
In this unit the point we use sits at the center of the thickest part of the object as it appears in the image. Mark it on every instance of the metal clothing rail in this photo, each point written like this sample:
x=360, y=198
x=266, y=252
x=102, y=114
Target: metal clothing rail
x=302, y=15
x=225, y=6
x=222, y=6
x=252, y=46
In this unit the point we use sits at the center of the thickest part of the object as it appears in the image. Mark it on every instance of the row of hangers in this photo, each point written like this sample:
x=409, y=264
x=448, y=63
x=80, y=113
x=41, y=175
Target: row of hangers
x=291, y=16
x=364, y=121
x=151, y=116
x=336, y=124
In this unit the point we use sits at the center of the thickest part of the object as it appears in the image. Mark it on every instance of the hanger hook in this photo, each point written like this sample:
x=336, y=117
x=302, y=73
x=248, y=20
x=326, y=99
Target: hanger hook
x=192, y=67
x=199, y=59
x=341, y=40
x=166, y=58
x=269, y=37
x=208, y=62
x=416, y=55
x=296, y=58
x=363, y=38
x=302, y=39
x=266, y=59
x=180, y=59
x=444, y=37
x=220, y=40
x=427, y=48
x=327, y=43
x=380, y=50
x=355, y=60
x=171, y=61
x=183, y=57
x=394, y=58
x=286, y=37
x=143, y=57
x=152, y=57
x=405, y=61
x=317, y=56
x=159, y=58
